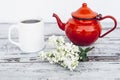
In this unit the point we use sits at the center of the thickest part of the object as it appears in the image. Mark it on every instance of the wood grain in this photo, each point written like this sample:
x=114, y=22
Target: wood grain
x=103, y=64
x=39, y=71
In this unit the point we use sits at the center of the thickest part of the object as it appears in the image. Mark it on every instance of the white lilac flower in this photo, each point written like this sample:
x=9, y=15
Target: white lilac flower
x=56, y=41
x=68, y=47
x=52, y=40
x=42, y=55
x=70, y=64
x=51, y=56
x=60, y=40
x=73, y=65
x=65, y=54
x=75, y=48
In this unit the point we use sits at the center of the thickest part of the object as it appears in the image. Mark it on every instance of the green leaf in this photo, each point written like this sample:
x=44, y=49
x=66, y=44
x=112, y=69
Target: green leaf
x=88, y=49
x=83, y=53
x=81, y=50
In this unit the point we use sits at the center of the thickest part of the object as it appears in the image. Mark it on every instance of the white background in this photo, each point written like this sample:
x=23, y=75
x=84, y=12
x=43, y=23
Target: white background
x=15, y=10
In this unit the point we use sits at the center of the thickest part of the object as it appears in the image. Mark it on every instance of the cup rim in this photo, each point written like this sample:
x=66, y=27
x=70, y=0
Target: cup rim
x=38, y=20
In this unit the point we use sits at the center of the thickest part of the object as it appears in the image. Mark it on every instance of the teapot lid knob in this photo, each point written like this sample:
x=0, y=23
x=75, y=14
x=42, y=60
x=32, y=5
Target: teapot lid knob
x=84, y=5
x=84, y=12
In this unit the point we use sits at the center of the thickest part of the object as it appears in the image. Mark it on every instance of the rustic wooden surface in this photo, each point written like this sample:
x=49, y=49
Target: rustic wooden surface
x=104, y=61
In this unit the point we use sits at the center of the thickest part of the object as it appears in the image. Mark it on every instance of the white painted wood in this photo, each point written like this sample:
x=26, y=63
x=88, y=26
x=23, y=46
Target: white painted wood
x=107, y=46
x=103, y=64
x=103, y=47
x=53, y=29
x=46, y=71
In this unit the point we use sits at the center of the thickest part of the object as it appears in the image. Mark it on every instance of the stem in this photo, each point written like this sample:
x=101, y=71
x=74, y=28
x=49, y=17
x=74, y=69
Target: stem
x=83, y=53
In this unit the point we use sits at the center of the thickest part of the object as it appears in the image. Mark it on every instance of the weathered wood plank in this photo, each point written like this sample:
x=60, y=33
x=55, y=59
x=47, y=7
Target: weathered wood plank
x=103, y=64
x=39, y=71
x=103, y=47
x=109, y=45
x=35, y=59
x=53, y=29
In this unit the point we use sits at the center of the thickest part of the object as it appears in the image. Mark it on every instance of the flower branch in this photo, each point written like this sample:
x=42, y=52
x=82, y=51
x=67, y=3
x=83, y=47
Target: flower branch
x=65, y=54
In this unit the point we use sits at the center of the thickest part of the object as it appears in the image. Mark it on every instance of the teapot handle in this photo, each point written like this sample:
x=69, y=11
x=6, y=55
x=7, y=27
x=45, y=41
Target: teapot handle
x=115, y=23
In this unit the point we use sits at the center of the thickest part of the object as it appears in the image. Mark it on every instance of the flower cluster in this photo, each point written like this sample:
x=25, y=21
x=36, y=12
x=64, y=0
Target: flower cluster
x=65, y=54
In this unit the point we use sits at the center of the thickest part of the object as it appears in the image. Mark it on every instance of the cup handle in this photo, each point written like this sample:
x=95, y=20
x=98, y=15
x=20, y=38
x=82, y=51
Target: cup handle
x=115, y=24
x=9, y=35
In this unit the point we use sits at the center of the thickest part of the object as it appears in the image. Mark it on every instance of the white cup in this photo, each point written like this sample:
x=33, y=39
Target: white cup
x=30, y=34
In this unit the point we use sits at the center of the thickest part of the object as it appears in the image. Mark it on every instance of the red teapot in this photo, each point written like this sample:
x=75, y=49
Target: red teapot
x=84, y=28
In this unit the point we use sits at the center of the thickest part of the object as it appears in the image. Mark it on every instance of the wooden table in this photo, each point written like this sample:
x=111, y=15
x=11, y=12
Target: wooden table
x=104, y=61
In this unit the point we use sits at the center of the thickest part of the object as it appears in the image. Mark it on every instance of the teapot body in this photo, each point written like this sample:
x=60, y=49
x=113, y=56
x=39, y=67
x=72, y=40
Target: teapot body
x=84, y=27
x=82, y=32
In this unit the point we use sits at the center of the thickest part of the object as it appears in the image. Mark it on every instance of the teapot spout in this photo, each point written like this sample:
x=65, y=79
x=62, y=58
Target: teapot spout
x=59, y=22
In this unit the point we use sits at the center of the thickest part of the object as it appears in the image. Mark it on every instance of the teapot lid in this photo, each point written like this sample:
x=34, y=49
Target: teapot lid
x=84, y=13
